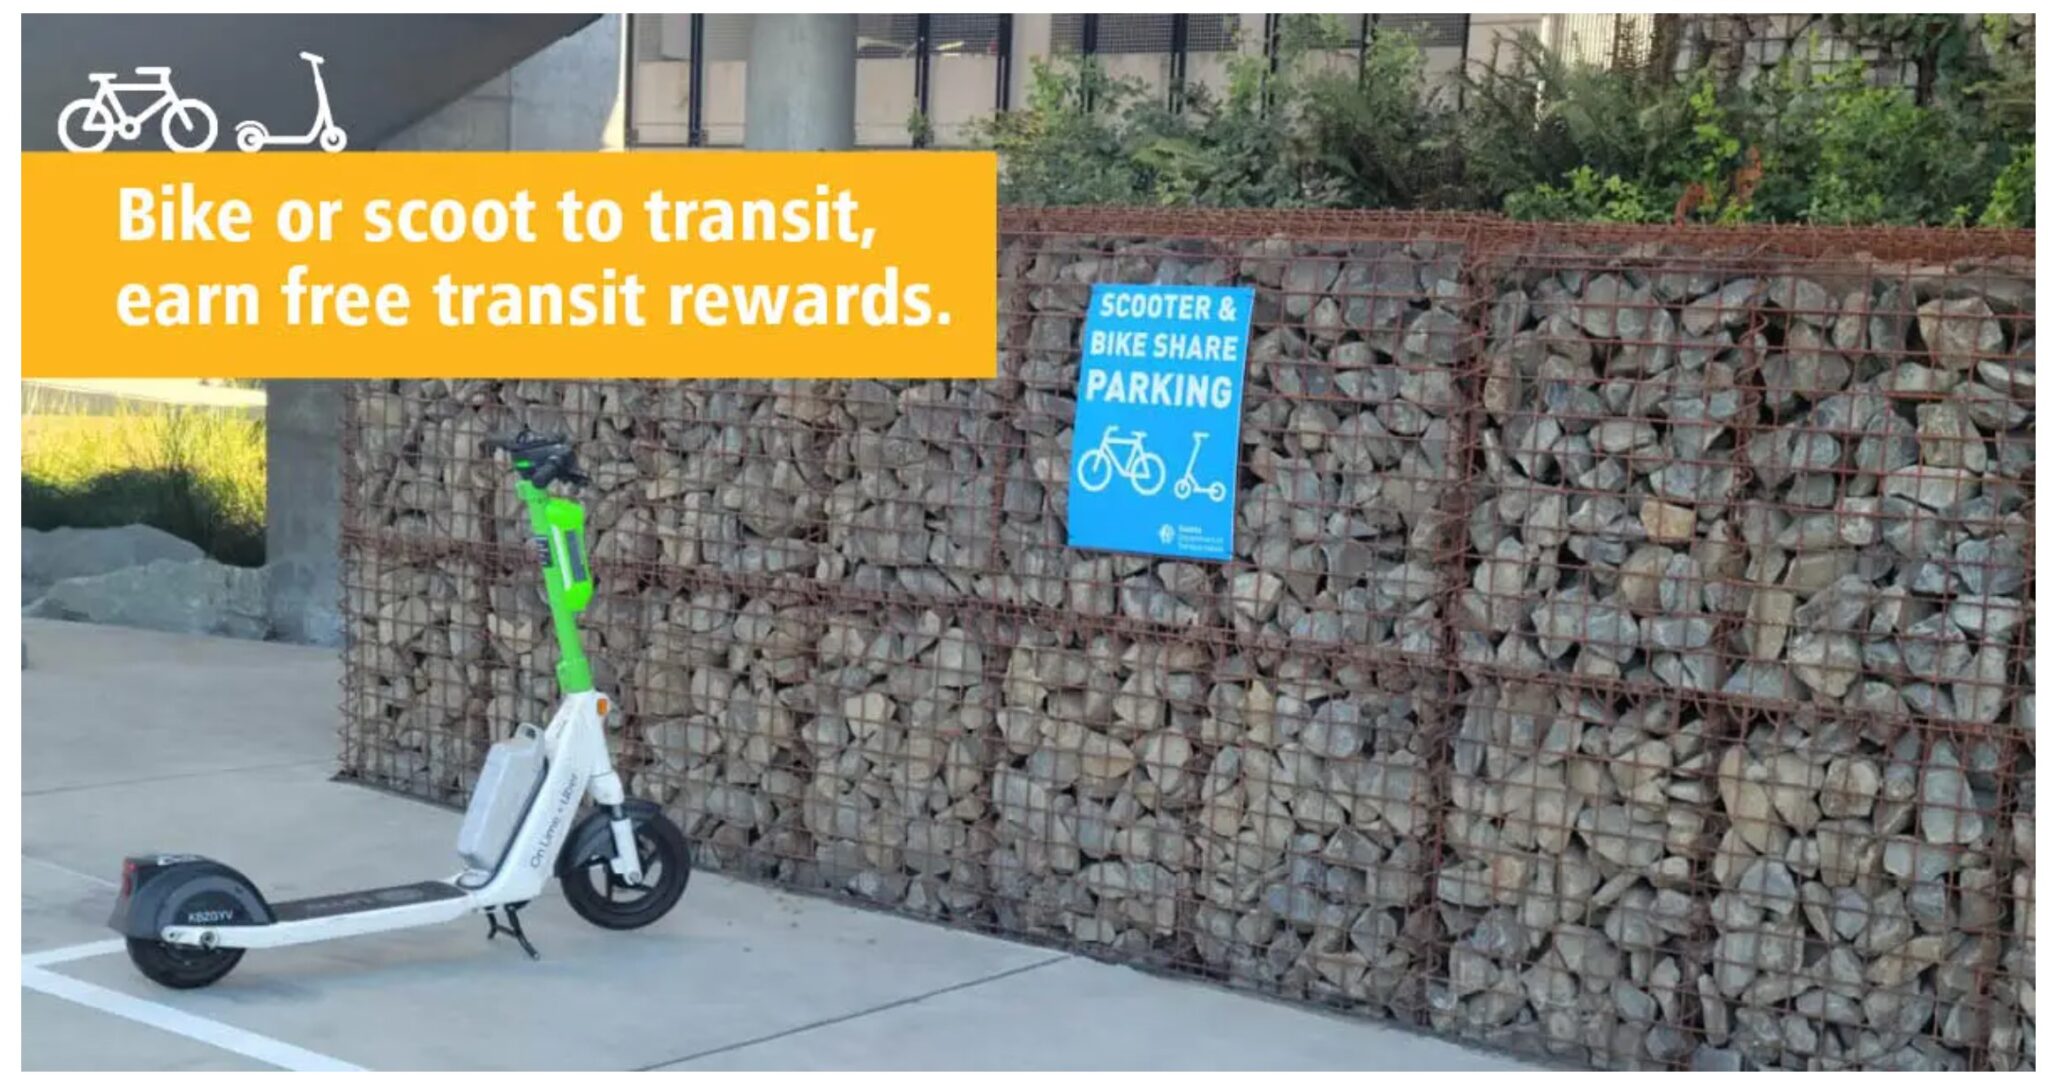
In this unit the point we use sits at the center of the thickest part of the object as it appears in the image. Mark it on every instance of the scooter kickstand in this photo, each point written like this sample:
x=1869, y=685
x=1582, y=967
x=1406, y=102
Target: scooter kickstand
x=511, y=926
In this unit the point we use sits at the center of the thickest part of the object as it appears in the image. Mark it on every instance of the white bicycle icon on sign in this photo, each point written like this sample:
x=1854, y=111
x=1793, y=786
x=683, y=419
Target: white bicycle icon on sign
x=89, y=124
x=1114, y=455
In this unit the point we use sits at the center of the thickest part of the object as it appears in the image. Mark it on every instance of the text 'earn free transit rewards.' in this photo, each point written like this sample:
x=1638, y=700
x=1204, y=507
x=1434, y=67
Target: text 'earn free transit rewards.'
x=564, y=266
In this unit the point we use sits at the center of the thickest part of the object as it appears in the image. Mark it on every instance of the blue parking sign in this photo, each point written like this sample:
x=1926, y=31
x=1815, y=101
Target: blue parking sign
x=1154, y=466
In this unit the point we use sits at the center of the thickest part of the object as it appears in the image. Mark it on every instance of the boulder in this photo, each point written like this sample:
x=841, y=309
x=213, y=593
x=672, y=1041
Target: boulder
x=70, y=552
x=170, y=596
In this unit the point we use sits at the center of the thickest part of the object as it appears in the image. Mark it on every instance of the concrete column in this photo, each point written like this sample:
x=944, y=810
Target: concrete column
x=800, y=83
x=302, y=535
x=1030, y=42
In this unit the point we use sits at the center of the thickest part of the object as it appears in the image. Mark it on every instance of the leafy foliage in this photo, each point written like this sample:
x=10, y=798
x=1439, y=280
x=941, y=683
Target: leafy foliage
x=2012, y=195
x=1538, y=137
x=1585, y=197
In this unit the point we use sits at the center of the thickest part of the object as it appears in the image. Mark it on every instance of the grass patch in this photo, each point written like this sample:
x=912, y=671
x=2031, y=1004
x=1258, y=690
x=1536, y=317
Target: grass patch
x=198, y=474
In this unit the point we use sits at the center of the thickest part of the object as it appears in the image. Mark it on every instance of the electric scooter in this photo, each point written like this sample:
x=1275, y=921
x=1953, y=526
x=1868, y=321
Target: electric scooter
x=188, y=919
x=251, y=135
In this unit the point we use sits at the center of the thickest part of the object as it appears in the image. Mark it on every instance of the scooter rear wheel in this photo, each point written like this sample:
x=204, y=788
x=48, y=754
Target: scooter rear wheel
x=606, y=900
x=179, y=967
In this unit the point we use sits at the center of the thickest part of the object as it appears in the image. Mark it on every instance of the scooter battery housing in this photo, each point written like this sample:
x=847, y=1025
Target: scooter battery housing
x=511, y=776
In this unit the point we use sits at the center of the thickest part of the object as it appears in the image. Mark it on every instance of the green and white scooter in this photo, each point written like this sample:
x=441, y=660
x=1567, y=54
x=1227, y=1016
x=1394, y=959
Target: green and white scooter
x=188, y=919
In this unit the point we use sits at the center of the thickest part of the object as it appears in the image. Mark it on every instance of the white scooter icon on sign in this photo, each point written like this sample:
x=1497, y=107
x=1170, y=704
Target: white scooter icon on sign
x=1186, y=486
x=251, y=135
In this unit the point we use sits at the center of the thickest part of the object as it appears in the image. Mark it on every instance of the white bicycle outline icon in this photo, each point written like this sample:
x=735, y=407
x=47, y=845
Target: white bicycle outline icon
x=103, y=116
x=1098, y=466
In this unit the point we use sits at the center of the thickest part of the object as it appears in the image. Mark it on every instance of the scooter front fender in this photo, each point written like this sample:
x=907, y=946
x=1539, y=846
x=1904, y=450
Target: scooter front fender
x=159, y=890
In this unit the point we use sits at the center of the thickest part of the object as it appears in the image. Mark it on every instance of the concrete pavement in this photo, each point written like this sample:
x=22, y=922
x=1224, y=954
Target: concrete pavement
x=137, y=741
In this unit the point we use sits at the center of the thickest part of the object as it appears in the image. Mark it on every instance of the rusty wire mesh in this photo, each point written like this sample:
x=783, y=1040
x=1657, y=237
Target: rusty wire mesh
x=1627, y=654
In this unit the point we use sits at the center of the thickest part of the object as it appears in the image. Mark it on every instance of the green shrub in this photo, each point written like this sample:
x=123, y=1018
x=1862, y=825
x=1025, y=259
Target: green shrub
x=1379, y=136
x=2012, y=194
x=198, y=474
x=1586, y=198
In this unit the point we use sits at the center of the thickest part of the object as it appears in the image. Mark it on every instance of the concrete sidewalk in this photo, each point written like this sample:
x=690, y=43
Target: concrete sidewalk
x=137, y=741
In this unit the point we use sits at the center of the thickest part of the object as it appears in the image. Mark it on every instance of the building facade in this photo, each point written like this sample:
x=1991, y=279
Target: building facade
x=924, y=79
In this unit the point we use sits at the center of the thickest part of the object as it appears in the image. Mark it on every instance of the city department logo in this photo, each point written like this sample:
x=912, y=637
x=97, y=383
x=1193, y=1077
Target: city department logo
x=1166, y=534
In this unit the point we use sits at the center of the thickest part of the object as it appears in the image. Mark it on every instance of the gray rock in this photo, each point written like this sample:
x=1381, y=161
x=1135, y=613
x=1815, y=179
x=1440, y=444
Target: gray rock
x=1828, y=663
x=1768, y=885
x=1496, y=600
x=1939, y=488
x=1838, y=607
x=1890, y=444
x=170, y=596
x=1618, y=837
x=1609, y=308
x=1993, y=566
x=1303, y=281
x=1949, y=439
x=1726, y=307
x=1572, y=618
x=69, y=552
x=1678, y=633
x=1986, y=617
x=1622, y=435
x=1948, y=807
x=1804, y=370
x=1990, y=410
x=1758, y=679
x=1982, y=690
x=1433, y=338
x=1960, y=332
x=2015, y=380
x=1769, y=620
x=1803, y=299
x=1850, y=788
x=1935, y=649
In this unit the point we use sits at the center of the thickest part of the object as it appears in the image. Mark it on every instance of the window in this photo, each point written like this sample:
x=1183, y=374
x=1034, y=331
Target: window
x=885, y=37
x=1212, y=33
x=658, y=91
x=687, y=77
x=1429, y=31
x=968, y=61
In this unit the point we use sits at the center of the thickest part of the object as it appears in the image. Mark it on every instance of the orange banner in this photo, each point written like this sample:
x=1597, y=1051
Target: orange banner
x=573, y=266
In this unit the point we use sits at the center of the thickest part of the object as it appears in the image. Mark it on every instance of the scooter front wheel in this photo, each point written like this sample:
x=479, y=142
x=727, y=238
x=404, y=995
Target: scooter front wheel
x=605, y=899
x=179, y=967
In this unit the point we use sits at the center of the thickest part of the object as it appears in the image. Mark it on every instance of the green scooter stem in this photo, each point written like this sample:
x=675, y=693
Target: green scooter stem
x=558, y=523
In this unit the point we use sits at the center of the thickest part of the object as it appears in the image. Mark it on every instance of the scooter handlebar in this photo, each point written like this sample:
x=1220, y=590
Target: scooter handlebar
x=540, y=458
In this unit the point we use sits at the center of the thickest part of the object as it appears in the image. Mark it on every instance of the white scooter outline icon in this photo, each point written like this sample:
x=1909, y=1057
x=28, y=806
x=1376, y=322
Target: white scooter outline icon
x=252, y=136
x=1186, y=486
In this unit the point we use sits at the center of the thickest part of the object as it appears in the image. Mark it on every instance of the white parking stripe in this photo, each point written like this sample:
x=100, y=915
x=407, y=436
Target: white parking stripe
x=176, y=1021
x=67, y=870
x=75, y=952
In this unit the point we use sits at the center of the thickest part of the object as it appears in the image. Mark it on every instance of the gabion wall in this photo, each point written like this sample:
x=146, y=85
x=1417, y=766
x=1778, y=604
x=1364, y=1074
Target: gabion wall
x=1627, y=655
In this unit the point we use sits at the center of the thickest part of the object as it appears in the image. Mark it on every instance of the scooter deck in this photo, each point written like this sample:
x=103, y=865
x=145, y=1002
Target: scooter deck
x=369, y=899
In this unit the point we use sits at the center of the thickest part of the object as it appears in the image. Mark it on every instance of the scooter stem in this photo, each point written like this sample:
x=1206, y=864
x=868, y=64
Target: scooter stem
x=553, y=520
